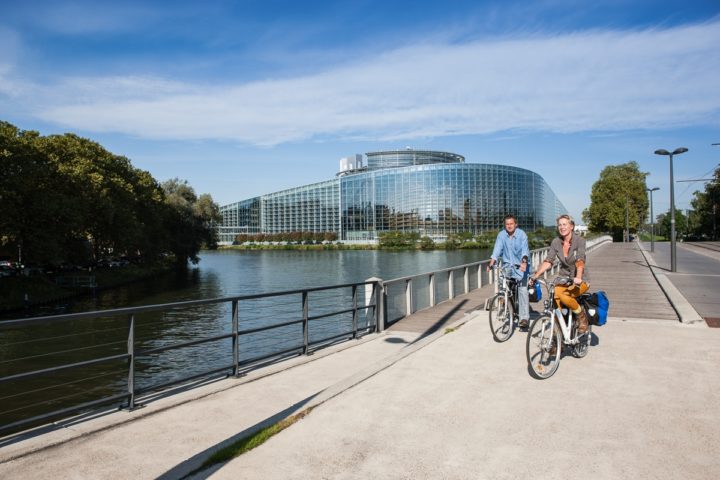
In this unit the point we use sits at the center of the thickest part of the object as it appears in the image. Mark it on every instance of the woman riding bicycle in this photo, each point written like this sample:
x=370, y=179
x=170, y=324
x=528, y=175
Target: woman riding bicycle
x=569, y=249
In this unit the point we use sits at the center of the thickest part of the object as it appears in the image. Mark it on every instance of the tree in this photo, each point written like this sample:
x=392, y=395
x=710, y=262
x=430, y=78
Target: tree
x=706, y=207
x=189, y=220
x=64, y=198
x=664, y=227
x=620, y=187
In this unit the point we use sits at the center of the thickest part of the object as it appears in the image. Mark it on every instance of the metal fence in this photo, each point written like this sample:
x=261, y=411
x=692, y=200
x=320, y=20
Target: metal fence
x=405, y=295
x=54, y=367
x=57, y=366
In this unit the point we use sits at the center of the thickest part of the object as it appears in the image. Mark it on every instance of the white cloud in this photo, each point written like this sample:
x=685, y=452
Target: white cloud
x=590, y=81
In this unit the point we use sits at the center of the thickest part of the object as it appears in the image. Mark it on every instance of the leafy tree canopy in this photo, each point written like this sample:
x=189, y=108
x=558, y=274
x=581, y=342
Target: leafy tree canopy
x=619, y=187
x=65, y=198
x=706, y=209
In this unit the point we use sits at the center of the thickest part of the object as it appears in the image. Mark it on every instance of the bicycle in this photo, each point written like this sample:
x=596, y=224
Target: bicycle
x=504, y=307
x=556, y=328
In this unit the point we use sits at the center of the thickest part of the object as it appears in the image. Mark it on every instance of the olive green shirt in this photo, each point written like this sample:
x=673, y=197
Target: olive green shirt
x=568, y=265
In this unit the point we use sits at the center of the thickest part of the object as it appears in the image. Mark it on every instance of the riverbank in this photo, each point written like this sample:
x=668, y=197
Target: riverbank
x=22, y=292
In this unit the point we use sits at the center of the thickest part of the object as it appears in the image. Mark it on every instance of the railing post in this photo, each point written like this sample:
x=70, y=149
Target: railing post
x=131, y=362
x=466, y=275
x=408, y=297
x=375, y=291
x=305, y=310
x=354, y=315
x=235, y=339
x=479, y=275
x=431, y=286
x=451, y=285
x=384, y=306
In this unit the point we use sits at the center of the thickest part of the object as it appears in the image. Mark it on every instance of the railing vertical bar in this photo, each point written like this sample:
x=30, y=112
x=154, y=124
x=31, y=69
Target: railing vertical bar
x=354, y=315
x=131, y=361
x=383, y=292
x=451, y=285
x=431, y=286
x=466, y=276
x=306, y=333
x=479, y=275
x=408, y=297
x=235, y=339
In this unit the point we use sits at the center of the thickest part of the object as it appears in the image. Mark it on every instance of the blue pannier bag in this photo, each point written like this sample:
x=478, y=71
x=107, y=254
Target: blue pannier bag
x=599, y=302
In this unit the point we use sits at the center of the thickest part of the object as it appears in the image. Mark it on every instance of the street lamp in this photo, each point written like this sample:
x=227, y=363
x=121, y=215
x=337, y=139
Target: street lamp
x=673, y=252
x=652, y=219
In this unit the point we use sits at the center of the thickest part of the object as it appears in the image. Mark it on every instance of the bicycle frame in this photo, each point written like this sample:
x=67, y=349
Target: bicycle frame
x=556, y=313
x=505, y=289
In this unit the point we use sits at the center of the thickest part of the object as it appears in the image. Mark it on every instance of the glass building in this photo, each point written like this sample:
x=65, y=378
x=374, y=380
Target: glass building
x=432, y=193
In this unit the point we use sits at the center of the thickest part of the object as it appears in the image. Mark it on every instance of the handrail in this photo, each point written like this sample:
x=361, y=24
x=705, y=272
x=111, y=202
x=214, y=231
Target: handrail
x=305, y=309
x=374, y=305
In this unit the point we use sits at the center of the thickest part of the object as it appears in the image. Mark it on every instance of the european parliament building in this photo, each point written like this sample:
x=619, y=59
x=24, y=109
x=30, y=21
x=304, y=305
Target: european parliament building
x=432, y=193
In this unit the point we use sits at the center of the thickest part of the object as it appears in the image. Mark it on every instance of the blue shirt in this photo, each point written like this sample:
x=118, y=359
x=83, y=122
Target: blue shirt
x=512, y=250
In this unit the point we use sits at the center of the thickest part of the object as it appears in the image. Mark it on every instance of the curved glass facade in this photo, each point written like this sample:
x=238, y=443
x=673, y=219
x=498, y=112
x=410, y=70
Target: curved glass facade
x=433, y=193
x=407, y=158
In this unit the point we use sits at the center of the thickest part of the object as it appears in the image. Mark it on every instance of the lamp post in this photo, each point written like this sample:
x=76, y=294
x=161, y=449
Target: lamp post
x=652, y=220
x=673, y=256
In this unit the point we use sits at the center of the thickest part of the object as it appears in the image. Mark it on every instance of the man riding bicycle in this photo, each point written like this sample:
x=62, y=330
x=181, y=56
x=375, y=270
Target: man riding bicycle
x=512, y=245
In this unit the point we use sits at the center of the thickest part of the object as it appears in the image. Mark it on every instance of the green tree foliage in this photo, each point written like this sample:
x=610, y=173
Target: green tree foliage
x=65, y=198
x=663, y=224
x=619, y=187
x=190, y=220
x=706, y=209
x=394, y=239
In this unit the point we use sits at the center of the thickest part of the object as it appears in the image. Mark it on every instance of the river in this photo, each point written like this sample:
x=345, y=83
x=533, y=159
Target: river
x=220, y=273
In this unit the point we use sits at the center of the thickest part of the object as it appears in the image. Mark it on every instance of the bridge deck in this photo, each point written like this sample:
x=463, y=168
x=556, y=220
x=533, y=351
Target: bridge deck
x=407, y=403
x=617, y=268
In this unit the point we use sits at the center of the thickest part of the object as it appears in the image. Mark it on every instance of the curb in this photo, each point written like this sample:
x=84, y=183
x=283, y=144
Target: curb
x=684, y=310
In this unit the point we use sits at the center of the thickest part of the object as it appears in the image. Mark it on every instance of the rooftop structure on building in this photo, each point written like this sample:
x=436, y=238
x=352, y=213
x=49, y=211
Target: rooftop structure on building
x=429, y=192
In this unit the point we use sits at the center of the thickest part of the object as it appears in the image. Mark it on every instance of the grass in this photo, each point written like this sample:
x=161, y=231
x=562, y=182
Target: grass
x=255, y=440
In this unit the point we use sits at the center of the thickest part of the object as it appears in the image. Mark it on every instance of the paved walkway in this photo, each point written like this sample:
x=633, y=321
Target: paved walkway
x=620, y=269
x=416, y=405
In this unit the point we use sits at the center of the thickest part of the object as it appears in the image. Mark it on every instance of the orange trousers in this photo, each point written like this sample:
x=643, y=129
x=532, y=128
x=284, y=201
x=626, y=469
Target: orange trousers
x=566, y=295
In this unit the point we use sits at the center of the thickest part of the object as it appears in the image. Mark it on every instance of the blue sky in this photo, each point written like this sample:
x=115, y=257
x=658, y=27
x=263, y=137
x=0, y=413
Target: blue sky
x=250, y=97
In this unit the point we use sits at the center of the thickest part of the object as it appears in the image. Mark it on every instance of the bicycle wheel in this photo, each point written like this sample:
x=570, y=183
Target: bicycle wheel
x=501, y=319
x=543, y=348
x=581, y=349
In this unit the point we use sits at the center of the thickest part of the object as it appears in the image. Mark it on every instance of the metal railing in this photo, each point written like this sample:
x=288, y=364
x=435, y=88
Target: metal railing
x=110, y=348
x=404, y=296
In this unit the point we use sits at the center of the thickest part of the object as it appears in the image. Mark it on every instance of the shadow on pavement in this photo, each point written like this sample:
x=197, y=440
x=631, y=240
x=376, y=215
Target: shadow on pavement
x=185, y=468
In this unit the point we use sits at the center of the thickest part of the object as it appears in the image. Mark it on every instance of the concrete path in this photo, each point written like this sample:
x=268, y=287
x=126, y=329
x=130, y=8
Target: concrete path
x=417, y=405
x=641, y=405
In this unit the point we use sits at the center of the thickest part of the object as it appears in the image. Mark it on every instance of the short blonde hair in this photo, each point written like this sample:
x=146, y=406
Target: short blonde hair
x=566, y=217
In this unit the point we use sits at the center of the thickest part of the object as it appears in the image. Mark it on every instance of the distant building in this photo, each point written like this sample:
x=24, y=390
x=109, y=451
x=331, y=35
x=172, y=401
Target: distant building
x=581, y=230
x=432, y=193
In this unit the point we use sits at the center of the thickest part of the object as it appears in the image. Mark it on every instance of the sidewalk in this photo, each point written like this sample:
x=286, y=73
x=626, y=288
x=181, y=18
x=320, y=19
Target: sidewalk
x=642, y=404
x=453, y=404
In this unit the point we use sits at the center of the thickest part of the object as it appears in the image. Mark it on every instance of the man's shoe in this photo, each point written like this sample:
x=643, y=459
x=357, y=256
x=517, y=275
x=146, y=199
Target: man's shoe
x=582, y=320
x=523, y=324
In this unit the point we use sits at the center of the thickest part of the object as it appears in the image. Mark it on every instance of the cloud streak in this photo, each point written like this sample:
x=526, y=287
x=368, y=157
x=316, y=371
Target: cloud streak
x=587, y=81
